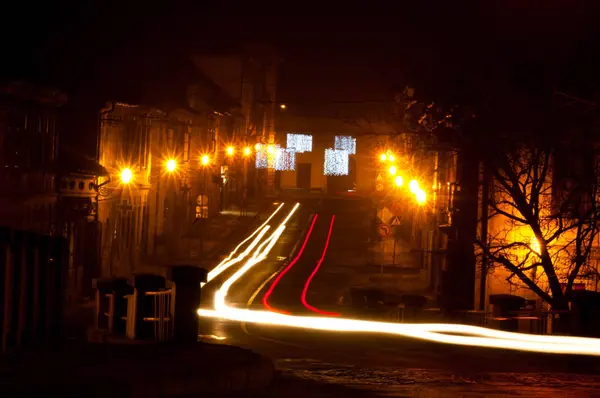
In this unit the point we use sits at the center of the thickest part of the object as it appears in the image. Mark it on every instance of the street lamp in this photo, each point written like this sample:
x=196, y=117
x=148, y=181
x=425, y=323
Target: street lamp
x=393, y=170
x=126, y=175
x=171, y=165
x=270, y=149
x=391, y=157
x=413, y=186
x=247, y=151
x=383, y=157
x=282, y=106
x=230, y=151
x=399, y=181
x=421, y=196
x=205, y=160
x=257, y=146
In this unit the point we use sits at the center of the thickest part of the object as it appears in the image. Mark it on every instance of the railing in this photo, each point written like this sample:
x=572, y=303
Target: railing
x=162, y=315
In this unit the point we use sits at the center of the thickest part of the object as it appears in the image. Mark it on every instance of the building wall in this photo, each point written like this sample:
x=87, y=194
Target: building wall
x=29, y=133
x=150, y=221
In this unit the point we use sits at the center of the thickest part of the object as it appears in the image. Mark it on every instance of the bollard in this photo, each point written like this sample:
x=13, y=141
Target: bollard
x=187, y=280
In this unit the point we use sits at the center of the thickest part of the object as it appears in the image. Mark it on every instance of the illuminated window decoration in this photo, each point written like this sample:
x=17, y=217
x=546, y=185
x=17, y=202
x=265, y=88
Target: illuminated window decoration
x=285, y=159
x=267, y=155
x=346, y=143
x=262, y=157
x=300, y=143
x=336, y=162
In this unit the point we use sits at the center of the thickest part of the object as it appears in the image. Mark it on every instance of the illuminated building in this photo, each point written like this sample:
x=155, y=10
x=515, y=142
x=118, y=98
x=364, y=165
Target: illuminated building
x=159, y=185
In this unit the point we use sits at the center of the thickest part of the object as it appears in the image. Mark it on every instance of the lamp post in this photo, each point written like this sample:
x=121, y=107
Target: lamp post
x=204, y=161
x=246, y=152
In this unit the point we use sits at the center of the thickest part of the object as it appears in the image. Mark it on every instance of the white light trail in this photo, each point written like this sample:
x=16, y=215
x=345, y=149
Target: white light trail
x=259, y=255
x=227, y=262
x=477, y=336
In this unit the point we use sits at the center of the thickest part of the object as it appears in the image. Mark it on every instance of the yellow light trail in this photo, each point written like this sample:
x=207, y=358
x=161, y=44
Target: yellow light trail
x=228, y=262
x=475, y=336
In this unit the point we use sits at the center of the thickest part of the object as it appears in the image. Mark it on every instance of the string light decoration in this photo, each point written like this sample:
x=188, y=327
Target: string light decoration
x=262, y=157
x=285, y=160
x=346, y=143
x=336, y=162
x=300, y=143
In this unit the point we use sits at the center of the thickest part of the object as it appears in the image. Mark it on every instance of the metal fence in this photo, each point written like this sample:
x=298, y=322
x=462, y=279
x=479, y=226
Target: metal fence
x=32, y=281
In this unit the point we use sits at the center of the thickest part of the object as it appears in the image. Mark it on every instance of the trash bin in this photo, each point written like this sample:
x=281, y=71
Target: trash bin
x=111, y=305
x=145, y=319
x=187, y=279
x=502, y=306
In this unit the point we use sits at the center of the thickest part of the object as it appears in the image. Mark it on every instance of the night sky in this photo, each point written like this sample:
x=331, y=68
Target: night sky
x=346, y=54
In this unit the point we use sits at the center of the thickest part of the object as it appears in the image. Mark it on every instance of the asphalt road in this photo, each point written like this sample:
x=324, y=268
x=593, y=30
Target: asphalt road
x=317, y=363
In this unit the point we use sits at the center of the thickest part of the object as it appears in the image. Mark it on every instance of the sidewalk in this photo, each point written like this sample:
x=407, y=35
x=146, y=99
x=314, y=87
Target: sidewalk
x=135, y=370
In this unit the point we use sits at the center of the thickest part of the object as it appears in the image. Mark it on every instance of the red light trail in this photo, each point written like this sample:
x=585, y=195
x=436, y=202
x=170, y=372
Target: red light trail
x=312, y=275
x=269, y=292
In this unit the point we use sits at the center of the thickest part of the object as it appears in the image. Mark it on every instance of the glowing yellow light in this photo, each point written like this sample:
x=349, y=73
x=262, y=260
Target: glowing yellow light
x=391, y=157
x=204, y=160
x=413, y=186
x=463, y=335
x=247, y=151
x=230, y=150
x=271, y=149
x=282, y=106
x=535, y=245
x=393, y=170
x=421, y=196
x=257, y=146
x=383, y=157
x=126, y=175
x=171, y=165
x=399, y=181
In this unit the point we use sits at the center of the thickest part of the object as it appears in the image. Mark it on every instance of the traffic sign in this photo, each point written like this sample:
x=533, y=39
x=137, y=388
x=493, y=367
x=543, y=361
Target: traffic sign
x=395, y=221
x=379, y=178
x=384, y=230
x=379, y=187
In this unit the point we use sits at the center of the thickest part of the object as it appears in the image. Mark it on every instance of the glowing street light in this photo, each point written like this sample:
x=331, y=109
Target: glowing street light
x=413, y=186
x=391, y=157
x=282, y=106
x=393, y=170
x=421, y=196
x=257, y=146
x=383, y=157
x=171, y=165
x=126, y=175
x=535, y=245
x=230, y=150
x=271, y=149
x=399, y=181
x=205, y=160
x=247, y=151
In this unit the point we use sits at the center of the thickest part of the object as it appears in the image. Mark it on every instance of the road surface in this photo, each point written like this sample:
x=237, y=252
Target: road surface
x=317, y=363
